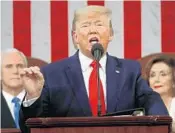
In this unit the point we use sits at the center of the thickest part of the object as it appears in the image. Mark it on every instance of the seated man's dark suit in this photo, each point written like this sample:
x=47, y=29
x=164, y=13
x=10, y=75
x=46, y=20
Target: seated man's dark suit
x=64, y=93
x=7, y=120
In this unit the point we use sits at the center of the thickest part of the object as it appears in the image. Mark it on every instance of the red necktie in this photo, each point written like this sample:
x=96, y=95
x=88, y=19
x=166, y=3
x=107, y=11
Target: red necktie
x=93, y=91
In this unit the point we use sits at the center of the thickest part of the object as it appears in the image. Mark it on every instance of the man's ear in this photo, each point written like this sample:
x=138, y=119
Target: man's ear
x=111, y=34
x=111, y=37
x=75, y=39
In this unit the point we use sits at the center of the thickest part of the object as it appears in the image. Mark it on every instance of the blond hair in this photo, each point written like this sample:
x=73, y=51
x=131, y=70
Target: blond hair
x=96, y=9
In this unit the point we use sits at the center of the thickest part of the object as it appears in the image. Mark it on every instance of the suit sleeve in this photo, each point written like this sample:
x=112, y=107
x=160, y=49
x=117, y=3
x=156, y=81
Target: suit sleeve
x=147, y=98
x=40, y=108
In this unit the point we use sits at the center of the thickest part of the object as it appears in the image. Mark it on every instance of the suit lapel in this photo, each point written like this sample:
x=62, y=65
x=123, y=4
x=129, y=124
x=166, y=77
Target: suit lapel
x=6, y=116
x=114, y=76
x=74, y=74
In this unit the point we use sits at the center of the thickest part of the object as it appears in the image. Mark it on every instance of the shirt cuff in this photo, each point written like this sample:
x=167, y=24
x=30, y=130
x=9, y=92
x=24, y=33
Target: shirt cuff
x=27, y=103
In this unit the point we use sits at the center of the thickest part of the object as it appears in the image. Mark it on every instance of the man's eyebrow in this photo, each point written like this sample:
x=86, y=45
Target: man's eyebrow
x=13, y=64
x=8, y=64
x=98, y=21
x=85, y=22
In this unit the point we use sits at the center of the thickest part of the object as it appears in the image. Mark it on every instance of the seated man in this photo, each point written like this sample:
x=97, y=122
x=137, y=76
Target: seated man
x=12, y=89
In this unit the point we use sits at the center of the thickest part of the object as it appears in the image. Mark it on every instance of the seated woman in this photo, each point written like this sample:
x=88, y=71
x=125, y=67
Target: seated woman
x=160, y=74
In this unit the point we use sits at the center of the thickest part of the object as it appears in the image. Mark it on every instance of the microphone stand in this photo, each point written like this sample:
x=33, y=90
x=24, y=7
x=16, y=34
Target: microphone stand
x=99, y=89
x=97, y=52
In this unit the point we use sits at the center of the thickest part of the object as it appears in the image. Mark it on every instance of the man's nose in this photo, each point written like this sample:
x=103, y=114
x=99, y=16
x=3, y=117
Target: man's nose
x=93, y=29
x=15, y=69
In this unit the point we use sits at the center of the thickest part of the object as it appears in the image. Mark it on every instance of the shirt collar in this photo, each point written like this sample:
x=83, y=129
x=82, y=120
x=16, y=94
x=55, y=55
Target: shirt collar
x=9, y=97
x=85, y=61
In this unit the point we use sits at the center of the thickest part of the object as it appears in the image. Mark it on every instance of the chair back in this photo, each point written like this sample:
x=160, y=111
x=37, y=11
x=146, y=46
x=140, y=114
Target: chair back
x=36, y=62
x=144, y=60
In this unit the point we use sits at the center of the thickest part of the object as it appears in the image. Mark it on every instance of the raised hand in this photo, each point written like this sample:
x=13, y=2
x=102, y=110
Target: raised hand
x=33, y=81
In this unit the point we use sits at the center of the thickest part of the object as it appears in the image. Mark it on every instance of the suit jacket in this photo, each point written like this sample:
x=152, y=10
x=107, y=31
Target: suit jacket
x=64, y=93
x=7, y=120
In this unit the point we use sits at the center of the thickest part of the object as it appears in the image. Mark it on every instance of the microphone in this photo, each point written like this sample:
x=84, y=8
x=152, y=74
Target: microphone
x=97, y=52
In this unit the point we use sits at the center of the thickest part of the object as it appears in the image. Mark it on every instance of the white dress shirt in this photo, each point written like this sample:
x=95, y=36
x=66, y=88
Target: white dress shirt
x=8, y=97
x=172, y=114
x=86, y=71
x=172, y=109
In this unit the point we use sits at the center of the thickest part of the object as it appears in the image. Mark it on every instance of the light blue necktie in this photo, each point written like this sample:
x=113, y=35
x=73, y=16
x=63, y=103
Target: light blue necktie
x=16, y=102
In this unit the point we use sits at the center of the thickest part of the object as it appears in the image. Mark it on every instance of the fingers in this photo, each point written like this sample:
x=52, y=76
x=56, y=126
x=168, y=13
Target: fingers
x=31, y=71
x=33, y=80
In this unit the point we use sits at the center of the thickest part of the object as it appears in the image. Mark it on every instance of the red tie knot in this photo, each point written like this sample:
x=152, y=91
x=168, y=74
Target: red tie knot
x=94, y=64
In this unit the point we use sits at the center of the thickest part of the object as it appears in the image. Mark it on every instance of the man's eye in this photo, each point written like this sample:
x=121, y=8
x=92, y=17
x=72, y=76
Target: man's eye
x=20, y=66
x=84, y=25
x=99, y=24
x=8, y=66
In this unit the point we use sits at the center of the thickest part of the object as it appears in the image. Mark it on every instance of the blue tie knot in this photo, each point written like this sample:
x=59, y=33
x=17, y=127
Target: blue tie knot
x=16, y=109
x=15, y=100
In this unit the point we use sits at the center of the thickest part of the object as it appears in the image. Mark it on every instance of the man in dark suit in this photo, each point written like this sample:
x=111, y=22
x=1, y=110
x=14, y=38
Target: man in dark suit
x=69, y=89
x=7, y=120
x=12, y=91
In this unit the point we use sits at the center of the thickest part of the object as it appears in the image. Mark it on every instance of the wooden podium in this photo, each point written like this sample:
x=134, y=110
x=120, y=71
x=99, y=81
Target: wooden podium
x=121, y=124
x=10, y=130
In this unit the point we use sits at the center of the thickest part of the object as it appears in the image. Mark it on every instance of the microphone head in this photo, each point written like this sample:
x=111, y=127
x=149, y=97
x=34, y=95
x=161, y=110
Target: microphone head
x=97, y=51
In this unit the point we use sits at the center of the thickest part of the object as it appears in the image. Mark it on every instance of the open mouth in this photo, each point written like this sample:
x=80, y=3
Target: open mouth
x=93, y=40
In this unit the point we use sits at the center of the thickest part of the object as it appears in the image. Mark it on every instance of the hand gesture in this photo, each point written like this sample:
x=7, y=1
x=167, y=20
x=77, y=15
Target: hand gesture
x=33, y=81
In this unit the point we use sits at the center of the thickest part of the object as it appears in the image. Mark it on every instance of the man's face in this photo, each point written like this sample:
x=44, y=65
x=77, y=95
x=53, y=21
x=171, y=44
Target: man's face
x=12, y=64
x=92, y=28
x=161, y=79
